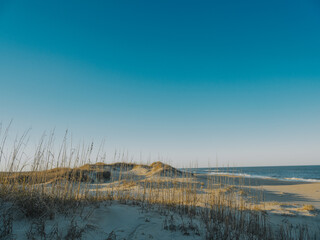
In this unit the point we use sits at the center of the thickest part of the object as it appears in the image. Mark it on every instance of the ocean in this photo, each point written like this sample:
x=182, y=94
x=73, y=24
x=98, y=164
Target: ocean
x=287, y=173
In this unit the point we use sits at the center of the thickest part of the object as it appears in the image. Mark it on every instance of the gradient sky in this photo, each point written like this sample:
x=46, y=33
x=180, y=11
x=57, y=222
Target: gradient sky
x=185, y=80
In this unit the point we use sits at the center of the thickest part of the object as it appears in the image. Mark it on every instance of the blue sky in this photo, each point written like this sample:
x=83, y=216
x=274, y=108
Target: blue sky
x=185, y=80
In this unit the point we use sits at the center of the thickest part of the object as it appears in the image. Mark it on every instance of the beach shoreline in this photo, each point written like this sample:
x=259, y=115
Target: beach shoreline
x=137, y=201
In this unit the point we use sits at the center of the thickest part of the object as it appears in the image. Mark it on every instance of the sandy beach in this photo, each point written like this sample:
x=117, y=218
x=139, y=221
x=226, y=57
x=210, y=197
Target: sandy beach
x=145, y=202
x=299, y=193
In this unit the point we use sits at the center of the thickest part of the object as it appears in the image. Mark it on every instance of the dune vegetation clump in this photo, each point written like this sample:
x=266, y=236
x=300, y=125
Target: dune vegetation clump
x=308, y=207
x=66, y=183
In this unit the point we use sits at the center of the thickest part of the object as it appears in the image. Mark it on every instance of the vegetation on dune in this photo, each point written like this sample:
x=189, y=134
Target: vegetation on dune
x=65, y=182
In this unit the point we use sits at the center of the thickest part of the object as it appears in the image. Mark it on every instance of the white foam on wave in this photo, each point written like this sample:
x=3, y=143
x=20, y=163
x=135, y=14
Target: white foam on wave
x=240, y=175
x=302, y=179
x=264, y=177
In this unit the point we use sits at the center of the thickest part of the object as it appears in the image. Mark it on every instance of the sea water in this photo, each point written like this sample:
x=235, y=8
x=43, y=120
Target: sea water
x=287, y=173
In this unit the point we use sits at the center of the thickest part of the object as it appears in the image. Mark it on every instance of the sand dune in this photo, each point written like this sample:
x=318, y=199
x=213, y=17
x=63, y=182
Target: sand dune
x=137, y=201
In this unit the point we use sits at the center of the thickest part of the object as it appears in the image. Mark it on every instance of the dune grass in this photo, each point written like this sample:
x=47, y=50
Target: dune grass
x=308, y=207
x=64, y=180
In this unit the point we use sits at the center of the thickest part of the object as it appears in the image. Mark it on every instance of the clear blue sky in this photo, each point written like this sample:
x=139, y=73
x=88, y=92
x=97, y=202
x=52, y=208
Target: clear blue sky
x=186, y=80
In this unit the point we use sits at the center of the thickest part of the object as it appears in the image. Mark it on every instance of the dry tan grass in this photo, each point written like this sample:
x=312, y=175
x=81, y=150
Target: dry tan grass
x=222, y=206
x=308, y=207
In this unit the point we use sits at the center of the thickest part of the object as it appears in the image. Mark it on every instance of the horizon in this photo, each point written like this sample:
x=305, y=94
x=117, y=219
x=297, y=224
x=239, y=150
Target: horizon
x=264, y=166
x=187, y=83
